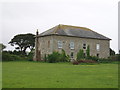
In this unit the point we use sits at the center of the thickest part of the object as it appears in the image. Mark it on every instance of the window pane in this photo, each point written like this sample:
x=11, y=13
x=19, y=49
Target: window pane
x=59, y=44
x=71, y=45
x=97, y=47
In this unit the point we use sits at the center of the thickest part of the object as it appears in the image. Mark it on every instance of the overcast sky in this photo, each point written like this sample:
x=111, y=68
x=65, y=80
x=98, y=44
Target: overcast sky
x=25, y=17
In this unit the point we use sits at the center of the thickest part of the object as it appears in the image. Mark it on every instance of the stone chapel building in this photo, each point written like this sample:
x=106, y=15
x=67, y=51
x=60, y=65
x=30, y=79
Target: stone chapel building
x=71, y=39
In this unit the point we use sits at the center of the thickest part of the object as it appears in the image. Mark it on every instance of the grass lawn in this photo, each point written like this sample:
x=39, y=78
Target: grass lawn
x=58, y=75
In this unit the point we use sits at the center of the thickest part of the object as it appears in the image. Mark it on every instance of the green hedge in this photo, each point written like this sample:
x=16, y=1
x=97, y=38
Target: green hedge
x=7, y=56
x=10, y=57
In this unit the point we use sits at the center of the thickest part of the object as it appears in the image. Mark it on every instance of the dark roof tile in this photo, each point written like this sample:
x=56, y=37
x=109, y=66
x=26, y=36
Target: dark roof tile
x=68, y=30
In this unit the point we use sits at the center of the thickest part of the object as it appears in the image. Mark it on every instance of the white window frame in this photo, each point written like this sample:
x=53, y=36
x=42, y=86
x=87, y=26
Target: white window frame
x=98, y=47
x=60, y=44
x=72, y=45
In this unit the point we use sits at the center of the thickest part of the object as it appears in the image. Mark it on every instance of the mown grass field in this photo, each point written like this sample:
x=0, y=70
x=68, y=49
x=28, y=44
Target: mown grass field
x=58, y=75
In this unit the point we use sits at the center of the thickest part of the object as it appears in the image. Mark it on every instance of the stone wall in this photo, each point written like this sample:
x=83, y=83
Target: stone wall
x=48, y=44
x=78, y=44
x=43, y=45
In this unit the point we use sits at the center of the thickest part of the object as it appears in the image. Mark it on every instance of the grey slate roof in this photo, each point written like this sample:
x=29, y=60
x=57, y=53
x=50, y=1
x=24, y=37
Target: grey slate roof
x=75, y=31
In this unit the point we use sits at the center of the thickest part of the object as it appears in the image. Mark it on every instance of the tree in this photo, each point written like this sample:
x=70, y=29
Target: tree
x=23, y=41
x=2, y=46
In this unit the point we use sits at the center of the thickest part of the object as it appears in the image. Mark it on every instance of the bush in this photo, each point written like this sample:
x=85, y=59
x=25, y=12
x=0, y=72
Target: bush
x=10, y=57
x=15, y=53
x=45, y=58
x=75, y=62
x=54, y=57
x=29, y=57
x=118, y=59
x=105, y=60
x=93, y=58
x=83, y=61
x=88, y=51
x=57, y=57
x=87, y=61
x=115, y=57
x=80, y=54
x=64, y=57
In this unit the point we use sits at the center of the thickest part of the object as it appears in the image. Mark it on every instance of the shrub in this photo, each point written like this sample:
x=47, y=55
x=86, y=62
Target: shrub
x=15, y=52
x=88, y=52
x=115, y=57
x=93, y=58
x=45, y=58
x=105, y=60
x=10, y=57
x=57, y=57
x=54, y=57
x=87, y=61
x=80, y=54
x=118, y=57
x=75, y=62
x=64, y=57
x=29, y=57
x=83, y=61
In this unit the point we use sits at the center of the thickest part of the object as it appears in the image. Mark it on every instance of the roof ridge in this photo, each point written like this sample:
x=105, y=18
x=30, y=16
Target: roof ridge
x=57, y=28
x=85, y=28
